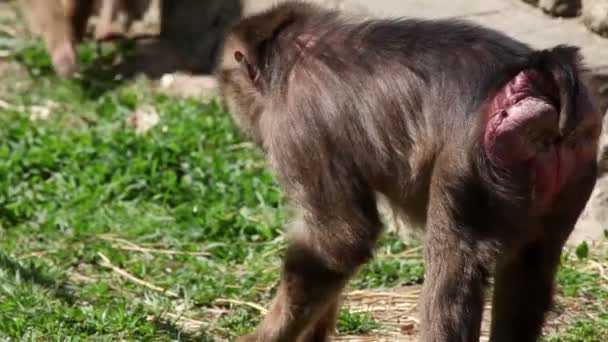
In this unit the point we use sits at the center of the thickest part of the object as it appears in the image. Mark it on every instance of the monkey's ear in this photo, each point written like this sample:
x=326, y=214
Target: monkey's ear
x=251, y=70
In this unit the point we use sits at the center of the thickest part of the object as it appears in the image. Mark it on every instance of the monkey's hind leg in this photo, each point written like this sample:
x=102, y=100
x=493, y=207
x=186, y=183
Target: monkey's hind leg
x=522, y=293
x=325, y=250
x=324, y=327
x=524, y=283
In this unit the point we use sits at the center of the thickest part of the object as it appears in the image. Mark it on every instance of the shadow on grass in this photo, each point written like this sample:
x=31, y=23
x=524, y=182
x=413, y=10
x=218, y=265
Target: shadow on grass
x=97, y=75
x=106, y=66
x=35, y=275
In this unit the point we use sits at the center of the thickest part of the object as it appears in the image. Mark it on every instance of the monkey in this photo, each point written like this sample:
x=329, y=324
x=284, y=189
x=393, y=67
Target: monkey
x=486, y=144
x=63, y=25
x=191, y=32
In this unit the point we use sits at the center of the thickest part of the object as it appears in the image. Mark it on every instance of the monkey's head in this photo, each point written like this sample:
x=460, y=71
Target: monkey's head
x=257, y=51
x=240, y=93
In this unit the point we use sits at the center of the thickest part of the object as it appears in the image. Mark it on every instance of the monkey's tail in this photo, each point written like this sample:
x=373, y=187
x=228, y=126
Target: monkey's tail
x=562, y=64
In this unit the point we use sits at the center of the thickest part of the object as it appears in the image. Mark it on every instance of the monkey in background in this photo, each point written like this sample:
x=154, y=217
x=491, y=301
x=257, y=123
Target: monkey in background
x=488, y=144
x=62, y=24
x=191, y=31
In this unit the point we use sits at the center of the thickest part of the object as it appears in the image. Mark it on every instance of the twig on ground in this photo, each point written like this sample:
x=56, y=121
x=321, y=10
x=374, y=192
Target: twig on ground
x=189, y=322
x=35, y=254
x=7, y=106
x=414, y=294
x=9, y=31
x=416, y=251
x=158, y=251
x=243, y=145
x=131, y=246
x=77, y=278
x=260, y=308
x=106, y=263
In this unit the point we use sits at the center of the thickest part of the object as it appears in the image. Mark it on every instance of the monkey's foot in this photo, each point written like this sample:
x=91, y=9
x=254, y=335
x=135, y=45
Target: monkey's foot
x=64, y=60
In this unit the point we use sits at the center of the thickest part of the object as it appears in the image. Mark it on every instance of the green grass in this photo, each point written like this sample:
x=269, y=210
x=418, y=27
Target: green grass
x=188, y=208
x=350, y=323
x=583, y=283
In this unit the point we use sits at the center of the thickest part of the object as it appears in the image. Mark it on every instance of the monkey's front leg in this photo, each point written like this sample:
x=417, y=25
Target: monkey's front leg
x=303, y=296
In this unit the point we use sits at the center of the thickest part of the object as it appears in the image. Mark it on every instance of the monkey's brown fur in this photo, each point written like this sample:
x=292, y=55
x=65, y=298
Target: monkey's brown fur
x=487, y=143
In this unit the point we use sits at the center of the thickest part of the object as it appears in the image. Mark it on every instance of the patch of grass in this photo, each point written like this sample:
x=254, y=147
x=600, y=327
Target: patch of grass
x=350, y=323
x=573, y=282
x=390, y=273
x=582, y=281
x=394, y=266
x=585, y=330
x=240, y=322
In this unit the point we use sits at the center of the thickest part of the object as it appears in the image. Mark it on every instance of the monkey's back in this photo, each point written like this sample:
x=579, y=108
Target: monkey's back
x=382, y=84
x=404, y=57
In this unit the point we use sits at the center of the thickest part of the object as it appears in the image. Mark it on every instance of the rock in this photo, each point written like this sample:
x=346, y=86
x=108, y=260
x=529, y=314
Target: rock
x=143, y=119
x=186, y=85
x=595, y=16
x=352, y=7
x=593, y=222
x=531, y=2
x=561, y=8
x=43, y=112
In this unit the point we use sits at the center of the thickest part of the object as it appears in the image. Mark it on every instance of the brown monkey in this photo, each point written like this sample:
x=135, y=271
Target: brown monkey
x=191, y=31
x=62, y=24
x=487, y=143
